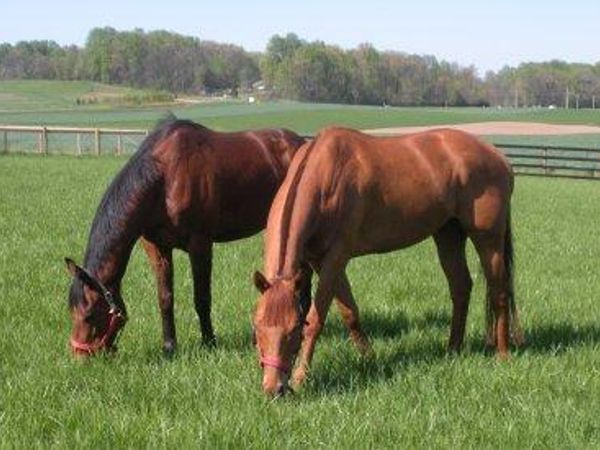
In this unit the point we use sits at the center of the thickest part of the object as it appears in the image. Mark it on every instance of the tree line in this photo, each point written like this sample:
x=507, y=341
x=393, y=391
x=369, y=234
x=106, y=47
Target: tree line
x=295, y=69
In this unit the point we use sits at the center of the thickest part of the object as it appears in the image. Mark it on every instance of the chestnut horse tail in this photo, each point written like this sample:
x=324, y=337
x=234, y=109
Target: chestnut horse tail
x=509, y=268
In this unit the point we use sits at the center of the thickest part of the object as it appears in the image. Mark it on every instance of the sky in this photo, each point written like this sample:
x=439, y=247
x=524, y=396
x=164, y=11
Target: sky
x=486, y=34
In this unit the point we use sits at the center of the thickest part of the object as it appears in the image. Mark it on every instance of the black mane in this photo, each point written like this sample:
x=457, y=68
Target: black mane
x=137, y=179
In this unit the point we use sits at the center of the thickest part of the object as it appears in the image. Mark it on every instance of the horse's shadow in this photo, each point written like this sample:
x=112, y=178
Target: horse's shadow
x=355, y=371
x=550, y=339
x=391, y=324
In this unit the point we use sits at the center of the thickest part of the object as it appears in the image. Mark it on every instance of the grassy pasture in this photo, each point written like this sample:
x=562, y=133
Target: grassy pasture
x=305, y=118
x=410, y=395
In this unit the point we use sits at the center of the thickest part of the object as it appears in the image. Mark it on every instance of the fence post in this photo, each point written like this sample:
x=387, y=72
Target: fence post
x=545, y=161
x=44, y=140
x=119, y=144
x=97, y=140
x=41, y=140
x=78, y=144
x=5, y=142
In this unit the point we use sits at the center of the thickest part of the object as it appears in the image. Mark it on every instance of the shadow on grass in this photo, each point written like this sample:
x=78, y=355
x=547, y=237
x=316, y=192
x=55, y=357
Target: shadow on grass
x=390, y=325
x=356, y=373
x=559, y=337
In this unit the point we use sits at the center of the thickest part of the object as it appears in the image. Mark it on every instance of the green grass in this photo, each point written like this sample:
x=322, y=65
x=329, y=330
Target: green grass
x=411, y=395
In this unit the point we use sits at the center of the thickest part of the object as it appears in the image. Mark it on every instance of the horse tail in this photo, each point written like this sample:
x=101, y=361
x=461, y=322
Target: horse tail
x=509, y=267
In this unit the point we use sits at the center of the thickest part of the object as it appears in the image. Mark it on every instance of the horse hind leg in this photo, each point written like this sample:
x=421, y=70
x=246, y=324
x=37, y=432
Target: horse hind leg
x=162, y=264
x=490, y=247
x=450, y=241
x=201, y=260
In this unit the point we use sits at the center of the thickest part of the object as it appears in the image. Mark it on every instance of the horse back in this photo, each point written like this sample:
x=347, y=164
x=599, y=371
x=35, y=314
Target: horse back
x=392, y=192
x=222, y=184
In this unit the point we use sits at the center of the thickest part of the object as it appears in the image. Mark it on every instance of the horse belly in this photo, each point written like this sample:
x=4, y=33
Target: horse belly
x=244, y=216
x=388, y=230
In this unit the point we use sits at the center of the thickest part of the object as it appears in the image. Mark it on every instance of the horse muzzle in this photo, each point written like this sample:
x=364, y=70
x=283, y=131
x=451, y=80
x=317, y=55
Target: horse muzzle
x=106, y=342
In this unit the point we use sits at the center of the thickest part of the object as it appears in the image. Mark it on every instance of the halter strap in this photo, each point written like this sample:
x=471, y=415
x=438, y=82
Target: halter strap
x=276, y=362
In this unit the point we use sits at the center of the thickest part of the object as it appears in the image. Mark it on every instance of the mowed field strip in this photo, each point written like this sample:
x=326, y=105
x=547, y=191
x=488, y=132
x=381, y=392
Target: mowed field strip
x=506, y=128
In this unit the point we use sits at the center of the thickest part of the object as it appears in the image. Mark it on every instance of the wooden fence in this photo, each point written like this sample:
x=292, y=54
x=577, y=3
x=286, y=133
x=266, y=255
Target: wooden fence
x=553, y=161
x=544, y=160
x=37, y=138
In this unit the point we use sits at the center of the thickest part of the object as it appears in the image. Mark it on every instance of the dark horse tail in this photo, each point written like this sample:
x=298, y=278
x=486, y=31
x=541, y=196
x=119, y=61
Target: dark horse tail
x=516, y=331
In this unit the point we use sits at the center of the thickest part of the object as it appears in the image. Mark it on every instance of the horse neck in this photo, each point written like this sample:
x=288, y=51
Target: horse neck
x=107, y=255
x=289, y=225
x=117, y=226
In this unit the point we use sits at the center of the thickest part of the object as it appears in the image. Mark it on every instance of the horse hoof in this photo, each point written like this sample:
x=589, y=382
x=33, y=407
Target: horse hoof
x=503, y=356
x=169, y=349
x=298, y=377
x=210, y=342
x=452, y=351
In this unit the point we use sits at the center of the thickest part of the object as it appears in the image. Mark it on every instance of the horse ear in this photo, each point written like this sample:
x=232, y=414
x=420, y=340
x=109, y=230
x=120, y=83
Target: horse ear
x=261, y=283
x=83, y=275
x=73, y=268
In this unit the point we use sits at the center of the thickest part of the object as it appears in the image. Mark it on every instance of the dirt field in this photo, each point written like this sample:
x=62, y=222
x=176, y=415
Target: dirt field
x=499, y=128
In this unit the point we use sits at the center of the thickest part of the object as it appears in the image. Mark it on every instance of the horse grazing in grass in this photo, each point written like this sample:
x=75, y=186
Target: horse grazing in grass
x=349, y=194
x=186, y=187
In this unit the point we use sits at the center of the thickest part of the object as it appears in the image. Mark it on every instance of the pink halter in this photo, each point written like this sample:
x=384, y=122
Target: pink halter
x=276, y=362
x=117, y=321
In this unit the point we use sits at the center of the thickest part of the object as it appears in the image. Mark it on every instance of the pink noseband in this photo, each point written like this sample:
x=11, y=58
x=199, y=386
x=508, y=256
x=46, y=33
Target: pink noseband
x=276, y=362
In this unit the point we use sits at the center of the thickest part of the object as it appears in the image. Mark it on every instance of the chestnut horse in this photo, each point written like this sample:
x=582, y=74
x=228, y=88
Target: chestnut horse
x=186, y=187
x=349, y=194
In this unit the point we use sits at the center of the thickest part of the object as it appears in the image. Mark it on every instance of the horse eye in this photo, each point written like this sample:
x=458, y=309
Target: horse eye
x=88, y=317
x=87, y=313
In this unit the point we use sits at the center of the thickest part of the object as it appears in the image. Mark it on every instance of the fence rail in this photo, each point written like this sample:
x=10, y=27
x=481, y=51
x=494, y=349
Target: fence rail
x=544, y=160
x=17, y=138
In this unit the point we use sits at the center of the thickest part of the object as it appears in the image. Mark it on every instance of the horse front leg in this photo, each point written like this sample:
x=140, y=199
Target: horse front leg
x=200, y=252
x=330, y=272
x=161, y=261
x=349, y=311
x=305, y=287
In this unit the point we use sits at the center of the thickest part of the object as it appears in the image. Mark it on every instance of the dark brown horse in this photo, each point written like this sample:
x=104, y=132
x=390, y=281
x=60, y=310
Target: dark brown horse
x=186, y=187
x=349, y=194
